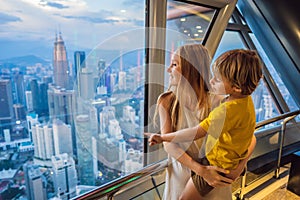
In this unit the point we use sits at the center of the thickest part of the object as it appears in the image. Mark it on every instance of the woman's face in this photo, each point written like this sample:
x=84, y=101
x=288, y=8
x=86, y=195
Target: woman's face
x=174, y=70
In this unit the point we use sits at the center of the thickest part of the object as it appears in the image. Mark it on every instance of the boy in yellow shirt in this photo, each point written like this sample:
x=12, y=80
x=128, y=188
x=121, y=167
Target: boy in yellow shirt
x=229, y=128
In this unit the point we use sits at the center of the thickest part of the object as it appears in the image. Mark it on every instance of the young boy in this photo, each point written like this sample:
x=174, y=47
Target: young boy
x=229, y=128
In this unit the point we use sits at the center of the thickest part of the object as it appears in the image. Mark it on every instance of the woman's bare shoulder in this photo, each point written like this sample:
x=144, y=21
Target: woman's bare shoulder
x=166, y=98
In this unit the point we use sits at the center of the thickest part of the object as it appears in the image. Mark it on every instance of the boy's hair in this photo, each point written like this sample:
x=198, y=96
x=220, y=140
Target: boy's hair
x=242, y=68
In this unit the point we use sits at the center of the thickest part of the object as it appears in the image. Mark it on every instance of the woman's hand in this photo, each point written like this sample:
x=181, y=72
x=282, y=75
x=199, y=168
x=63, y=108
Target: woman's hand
x=235, y=173
x=154, y=138
x=212, y=176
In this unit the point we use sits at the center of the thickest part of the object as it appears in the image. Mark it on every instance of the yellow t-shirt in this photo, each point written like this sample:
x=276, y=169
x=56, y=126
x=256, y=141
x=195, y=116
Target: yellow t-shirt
x=230, y=128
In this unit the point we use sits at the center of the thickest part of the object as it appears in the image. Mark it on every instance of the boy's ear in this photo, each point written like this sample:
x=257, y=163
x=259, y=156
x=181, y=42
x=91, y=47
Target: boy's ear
x=237, y=89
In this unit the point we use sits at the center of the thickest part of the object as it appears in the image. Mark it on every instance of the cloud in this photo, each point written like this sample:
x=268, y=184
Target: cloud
x=97, y=20
x=133, y=3
x=5, y=18
x=56, y=5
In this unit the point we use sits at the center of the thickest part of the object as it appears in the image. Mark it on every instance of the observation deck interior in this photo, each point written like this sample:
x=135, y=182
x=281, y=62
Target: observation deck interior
x=73, y=127
x=275, y=25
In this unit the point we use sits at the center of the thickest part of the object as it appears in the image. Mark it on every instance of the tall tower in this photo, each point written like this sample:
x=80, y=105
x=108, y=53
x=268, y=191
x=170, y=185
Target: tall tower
x=85, y=152
x=60, y=63
x=6, y=104
x=79, y=61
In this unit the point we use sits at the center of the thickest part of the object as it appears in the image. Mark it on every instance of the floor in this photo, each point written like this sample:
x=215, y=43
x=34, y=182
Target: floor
x=267, y=187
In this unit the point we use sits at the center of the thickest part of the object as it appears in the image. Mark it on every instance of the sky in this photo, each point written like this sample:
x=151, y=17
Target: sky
x=29, y=26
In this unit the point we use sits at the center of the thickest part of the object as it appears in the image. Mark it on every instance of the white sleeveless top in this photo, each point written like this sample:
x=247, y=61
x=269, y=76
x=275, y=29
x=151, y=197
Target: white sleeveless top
x=177, y=175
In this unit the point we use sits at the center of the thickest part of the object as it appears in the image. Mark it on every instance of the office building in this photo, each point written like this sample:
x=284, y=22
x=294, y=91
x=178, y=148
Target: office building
x=35, y=185
x=64, y=176
x=85, y=154
x=62, y=138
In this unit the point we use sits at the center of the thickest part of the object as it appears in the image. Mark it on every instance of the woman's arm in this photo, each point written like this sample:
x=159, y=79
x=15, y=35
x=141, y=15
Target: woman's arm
x=208, y=172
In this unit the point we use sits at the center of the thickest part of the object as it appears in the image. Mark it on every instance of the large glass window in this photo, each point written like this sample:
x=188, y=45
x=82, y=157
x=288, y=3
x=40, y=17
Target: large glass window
x=277, y=79
x=264, y=104
x=71, y=95
x=186, y=23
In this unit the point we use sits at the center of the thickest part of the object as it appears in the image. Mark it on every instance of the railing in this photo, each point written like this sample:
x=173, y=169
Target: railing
x=109, y=189
x=286, y=118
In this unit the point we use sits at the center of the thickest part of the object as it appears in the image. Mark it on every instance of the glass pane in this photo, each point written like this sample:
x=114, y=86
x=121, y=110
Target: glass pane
x=186, y=23
x=277, y=80
x=71, y=95
x=264, y=105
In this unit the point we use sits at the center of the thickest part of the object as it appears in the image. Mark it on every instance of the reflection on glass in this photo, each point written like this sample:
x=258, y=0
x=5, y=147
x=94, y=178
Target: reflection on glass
x=186, y=23
x=277, y=80
x=71, y=96
x=264, y=105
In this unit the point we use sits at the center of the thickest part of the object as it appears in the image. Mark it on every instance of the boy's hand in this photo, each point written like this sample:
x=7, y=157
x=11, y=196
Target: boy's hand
x=154, y=138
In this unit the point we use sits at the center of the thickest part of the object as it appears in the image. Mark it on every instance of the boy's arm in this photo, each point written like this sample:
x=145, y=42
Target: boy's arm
x=184, y=135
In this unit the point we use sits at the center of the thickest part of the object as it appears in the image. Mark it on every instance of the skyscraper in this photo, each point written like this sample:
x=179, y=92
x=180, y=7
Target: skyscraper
x=64, y=176
x=85, y=152
x=79, y=61
x=86, y=84
x=18, y=80
x=62, y=135
x=6, y=104
x=60, y=63
x=35, y=187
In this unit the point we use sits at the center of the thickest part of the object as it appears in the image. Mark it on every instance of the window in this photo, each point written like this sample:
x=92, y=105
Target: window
x=186, y=23
x=72, y=85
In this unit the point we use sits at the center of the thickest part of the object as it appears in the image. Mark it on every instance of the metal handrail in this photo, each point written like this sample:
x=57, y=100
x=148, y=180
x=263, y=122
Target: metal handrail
x=286, y=118
x=109, y=189
x=277, y=118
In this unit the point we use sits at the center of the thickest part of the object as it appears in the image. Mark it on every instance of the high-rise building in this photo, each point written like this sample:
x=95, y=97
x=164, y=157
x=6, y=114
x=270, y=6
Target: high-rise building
x=32, y=119
x=29, y=100
x=128, y=124
x=86, y=84
x=6, y=104
x=85, y=154
x=43, y=142
x=107, y=114
x=122, y=80
x=18, y=80
x=62, y=137
x=60, y=63
x=34, y=87
x=101, y=73
x=79, y=62
x=114, y=128
x=19, y=111
x=64, y=176
x=35, y=186
x=6, y=99
x=61, y=103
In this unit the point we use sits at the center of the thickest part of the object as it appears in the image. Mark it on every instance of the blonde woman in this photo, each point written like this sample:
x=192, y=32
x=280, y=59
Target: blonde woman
x=186, y=103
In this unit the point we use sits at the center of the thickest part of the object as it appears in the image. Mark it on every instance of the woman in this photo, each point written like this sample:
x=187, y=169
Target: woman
x=185, y=104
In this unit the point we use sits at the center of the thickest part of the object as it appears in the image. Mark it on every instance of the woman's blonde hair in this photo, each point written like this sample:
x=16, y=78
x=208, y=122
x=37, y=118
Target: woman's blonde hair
x=242, y=68
x=193, y=86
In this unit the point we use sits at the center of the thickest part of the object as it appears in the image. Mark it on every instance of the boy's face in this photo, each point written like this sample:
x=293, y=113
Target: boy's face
x=220, y=85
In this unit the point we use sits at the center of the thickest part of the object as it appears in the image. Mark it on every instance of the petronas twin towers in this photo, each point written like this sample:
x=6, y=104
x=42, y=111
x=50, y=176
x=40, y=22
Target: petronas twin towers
x=60, y=63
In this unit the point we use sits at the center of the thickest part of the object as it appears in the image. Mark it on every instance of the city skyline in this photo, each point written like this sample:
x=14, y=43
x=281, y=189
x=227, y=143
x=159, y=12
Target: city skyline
x=81, y=21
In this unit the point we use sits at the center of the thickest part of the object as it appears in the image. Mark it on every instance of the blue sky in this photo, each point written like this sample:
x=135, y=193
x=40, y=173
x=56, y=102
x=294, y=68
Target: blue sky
x=29, y=26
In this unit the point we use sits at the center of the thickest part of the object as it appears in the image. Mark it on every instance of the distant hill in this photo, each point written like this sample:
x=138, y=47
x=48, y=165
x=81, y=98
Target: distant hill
x=24, y=60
